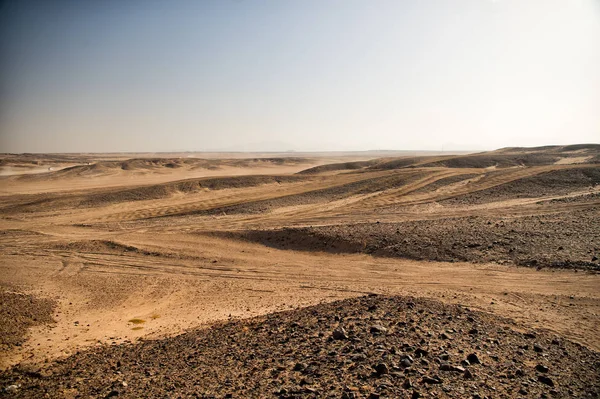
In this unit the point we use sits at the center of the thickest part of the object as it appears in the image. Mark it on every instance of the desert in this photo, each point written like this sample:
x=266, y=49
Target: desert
x=342, y=275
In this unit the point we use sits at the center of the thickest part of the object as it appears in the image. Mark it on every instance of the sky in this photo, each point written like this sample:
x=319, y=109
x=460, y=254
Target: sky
x=303, y=75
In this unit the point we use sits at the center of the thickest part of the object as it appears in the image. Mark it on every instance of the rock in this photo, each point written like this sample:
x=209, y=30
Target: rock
x=545, y=380
x=541, y=368
x=381, y=369
x=473, y=359
x=378, y=329
x=467, y=374
x=415, y=395
x=12, y=388
x=519, y=373
x=538, y=348
x=405, y=363
x=350, y=395
x=473, y=331
x=300, y=366
x=373, y=395
x=431, y=380
x=407, y=384
x=449, y=367
x=420, y=352
x=339, y=333
x=112, y=394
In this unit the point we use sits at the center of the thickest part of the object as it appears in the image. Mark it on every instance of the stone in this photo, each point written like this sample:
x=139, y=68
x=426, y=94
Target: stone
x=339, y=333
x=546, y=380
x=541, y=368
x=420, y=352
x=378, y=329
x=300, y=366
x=449, y=367
x=381, y=369
x=473, y=359
x=431, y=380
x=538, y=348
x=12, y=388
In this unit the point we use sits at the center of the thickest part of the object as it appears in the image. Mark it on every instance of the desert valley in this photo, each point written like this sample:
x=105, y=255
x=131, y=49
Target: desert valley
x=342, y=275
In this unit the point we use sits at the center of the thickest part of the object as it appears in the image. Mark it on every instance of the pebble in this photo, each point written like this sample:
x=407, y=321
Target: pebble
x=538, y=348
x=378, y=329
x=545, y=380
x=431, y=380
x=541, y=368
x=473, y=359
x=339, y=333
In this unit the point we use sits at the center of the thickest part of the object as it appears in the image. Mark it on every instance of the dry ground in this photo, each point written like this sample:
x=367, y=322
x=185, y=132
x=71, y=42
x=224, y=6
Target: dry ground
x=133, y=251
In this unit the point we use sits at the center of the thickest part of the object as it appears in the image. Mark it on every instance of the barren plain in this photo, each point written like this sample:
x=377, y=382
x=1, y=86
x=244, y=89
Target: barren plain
x=367, y=275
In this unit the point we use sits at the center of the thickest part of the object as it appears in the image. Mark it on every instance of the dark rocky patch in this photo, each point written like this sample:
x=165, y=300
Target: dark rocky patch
x=556, y=182
x=294, y=355
x=562, y=240
x=18, y=312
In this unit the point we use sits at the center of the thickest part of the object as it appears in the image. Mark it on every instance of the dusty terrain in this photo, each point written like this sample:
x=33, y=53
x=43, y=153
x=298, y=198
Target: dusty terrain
x=113, y=259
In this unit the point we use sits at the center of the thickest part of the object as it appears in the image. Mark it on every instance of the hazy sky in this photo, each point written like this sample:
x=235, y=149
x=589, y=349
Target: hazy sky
x=110, y=75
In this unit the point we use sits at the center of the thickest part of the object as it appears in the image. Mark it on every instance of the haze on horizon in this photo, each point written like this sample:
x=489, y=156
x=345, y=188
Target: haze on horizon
x=104, y=76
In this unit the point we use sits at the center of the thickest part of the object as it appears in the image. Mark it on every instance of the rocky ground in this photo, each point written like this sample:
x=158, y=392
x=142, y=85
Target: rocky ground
x=368, y=347
x=558, y=182
x=567, y=240
x=19, y=312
